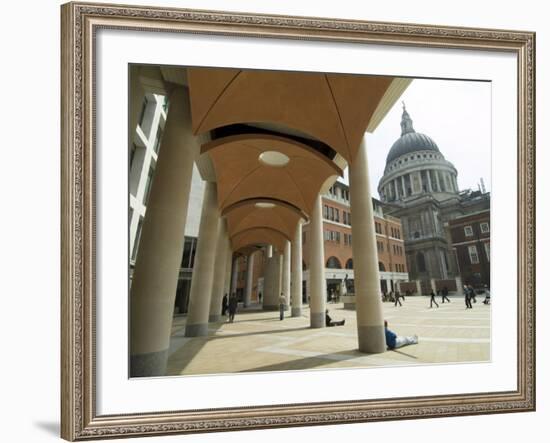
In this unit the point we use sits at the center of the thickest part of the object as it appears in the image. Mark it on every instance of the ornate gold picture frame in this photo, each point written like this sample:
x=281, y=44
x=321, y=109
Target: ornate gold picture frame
x=79, y=394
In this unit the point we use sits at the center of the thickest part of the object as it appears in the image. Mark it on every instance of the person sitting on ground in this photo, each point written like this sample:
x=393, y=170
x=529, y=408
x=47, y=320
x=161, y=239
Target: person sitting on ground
x=393, y=341
x=329, y=321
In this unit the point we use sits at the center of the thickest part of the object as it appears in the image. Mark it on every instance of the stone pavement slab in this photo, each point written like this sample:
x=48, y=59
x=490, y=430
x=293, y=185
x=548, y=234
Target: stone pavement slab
x=258, y=341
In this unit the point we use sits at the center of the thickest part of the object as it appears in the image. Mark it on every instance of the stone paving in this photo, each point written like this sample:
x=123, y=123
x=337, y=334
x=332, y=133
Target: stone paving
x=258, y=341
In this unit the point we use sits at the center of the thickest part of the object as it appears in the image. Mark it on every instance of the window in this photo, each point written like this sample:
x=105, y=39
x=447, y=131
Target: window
x=137, y=239
x=349, y=264
x=325, y=212
x=378, y=227
x=333, y=263
x=158, y=138
x=336, y=215
x=468, y=231
x=474, y=258
x=484, y=227
x=148, y=183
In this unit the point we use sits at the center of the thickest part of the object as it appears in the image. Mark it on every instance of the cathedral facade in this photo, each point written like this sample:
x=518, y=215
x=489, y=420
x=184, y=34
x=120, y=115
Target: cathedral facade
x=420, y=187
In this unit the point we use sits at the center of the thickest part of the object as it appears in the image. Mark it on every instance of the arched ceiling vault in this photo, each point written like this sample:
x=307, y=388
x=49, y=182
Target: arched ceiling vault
x=333, y=108
x=259, y=236
x=245, y=215
x=240, y=175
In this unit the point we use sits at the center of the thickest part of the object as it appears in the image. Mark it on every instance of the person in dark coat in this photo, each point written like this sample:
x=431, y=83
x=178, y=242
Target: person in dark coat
x=444, y=294
x=467, y=298
x=224, y=304
x=397, y=297
x=432, y=299
x=232, y=307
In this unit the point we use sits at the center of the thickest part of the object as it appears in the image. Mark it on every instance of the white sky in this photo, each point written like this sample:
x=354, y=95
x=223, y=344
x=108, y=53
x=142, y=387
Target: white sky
x=456, y=114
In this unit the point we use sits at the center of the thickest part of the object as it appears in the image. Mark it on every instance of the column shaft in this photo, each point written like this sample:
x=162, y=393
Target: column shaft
x=155, y=278
x=272, y=283
x=218, y=283
x=249, y=282
x=203, y=269
x=296, y=285
x=317, y=268
x=234, y=275
x=286, y=274
x=370, y=324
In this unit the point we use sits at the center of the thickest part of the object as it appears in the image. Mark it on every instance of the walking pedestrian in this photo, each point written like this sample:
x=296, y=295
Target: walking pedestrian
x=444, y=294
x=397, y=297
x=432, y=299
x=472, y=293
x=282, y=303
x=224, y=304
x=233, y=303
x=467, y=297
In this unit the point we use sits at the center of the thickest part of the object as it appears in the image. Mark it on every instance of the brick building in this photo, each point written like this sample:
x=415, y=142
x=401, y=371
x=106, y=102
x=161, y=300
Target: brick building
x=338, y=239
x=470, y=237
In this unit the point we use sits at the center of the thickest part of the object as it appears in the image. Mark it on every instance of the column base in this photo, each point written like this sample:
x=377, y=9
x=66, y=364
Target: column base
x=317, y=319
x=197, y=330
x=296, y=312
x=216, y=318
x=372, y=339
x=150, y=364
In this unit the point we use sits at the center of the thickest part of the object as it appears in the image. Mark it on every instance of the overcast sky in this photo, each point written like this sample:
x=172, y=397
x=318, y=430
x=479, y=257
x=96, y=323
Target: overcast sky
x=455, y=114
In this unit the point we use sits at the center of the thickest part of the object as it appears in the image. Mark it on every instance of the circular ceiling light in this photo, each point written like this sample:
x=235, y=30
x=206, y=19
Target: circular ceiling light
x=264, y=205
x=273, y=158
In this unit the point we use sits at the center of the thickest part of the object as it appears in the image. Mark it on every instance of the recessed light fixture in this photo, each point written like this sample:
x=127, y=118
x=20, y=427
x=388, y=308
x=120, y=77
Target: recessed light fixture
x=264, y=205
x=273, y=158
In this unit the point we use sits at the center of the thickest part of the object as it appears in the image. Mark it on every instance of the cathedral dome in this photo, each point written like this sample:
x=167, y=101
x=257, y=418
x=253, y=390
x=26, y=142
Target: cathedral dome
x=410, y=140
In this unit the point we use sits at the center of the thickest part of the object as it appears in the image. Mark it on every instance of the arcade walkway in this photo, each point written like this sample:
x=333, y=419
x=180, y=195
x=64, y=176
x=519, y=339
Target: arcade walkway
x=259, y=341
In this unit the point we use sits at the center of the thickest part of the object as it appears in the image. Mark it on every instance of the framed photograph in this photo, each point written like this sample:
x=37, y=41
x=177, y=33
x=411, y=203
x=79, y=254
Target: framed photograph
x=275, y=221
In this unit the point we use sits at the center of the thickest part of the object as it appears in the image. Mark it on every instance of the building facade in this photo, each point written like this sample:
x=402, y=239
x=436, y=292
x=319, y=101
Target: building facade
x=338, y=239
x=144, y=152
x=471, y=242
x=420, y=187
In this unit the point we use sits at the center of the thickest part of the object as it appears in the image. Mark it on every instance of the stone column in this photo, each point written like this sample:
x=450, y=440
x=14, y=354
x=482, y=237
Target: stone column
x=203, y=269
x=370, y=322
x=285, y=289
x=227, y=274
x=158, y=261
x=249, y=282
x=418, y=287
x=218, y=284
x=269, y=251
x=396, y=189
x=403, y=188
x=234, y=276
x=272, y=283
x=317, y=267
x=428, y=174
x=297, y=277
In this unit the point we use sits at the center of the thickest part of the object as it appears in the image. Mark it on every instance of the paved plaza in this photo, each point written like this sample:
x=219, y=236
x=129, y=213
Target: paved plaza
x=258, y=341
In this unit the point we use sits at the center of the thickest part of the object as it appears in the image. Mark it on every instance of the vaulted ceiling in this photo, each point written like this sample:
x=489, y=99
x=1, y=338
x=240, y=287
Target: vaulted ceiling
x=277, y=138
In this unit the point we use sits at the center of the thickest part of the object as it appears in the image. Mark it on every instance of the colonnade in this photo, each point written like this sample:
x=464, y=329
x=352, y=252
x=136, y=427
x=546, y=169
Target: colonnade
x=215, y=267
